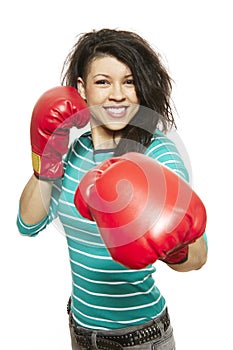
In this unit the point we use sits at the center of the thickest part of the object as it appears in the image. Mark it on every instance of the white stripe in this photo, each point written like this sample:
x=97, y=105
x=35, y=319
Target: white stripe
x=83, y=145
x=106, y=320
x=52, y=216
x=67, y=190
x=71, y=178
x=76, y=167
x=71, y=217
x=77, y=219
x=84, y=159
x=181, y=173
x=66, y=203
x=171, y=161
x=78, y=155
x=90, y=255
x=58, y=188
x=31, y=227
x=81, y=230
x=101, y=245
x=54, y=200
x=115, y=295
x=87, y=326
x=116, y=308
x=104, y=271
x=169, y=153
x=159, y=146
x=109, y=282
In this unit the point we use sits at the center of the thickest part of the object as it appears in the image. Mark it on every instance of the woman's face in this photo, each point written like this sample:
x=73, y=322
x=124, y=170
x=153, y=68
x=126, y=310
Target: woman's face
x=110, y=93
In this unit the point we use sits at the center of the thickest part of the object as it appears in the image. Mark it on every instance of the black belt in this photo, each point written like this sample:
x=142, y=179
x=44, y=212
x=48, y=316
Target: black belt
x=149, y=332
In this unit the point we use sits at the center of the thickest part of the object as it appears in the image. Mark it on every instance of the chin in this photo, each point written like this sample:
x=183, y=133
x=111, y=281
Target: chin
x=115, y=126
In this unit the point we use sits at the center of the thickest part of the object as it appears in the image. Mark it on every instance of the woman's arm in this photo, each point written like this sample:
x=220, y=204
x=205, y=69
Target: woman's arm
x=164, y=150
x=35, y=200
x=197, y=257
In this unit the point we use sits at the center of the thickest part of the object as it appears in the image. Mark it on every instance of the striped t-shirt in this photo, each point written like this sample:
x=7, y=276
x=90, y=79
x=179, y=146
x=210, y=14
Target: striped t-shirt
x=105, y=294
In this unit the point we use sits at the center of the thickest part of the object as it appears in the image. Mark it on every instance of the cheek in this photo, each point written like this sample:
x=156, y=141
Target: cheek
x=95, y=96
x=132, y=96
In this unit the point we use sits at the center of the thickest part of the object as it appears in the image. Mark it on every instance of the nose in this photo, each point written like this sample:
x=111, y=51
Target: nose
x=117, y=93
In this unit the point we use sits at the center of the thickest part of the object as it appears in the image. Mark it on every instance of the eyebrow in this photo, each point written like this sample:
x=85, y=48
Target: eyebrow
x=108, y=76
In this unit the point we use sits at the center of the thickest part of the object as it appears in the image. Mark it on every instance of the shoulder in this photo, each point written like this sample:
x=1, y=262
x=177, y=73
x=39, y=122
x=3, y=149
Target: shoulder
x=160, y=143
x=164, y=150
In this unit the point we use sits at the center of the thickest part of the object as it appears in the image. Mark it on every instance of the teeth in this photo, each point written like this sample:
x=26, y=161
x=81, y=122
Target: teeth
x=116, y=110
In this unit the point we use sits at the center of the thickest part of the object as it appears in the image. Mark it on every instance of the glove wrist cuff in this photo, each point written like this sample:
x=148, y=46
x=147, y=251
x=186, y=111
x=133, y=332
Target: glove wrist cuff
x=47, y=168
x=178, y=257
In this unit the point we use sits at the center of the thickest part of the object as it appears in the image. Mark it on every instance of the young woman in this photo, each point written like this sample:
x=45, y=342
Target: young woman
x=127, y=89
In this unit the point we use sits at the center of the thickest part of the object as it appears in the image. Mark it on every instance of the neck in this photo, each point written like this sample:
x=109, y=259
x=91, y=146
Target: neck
x=103, y=138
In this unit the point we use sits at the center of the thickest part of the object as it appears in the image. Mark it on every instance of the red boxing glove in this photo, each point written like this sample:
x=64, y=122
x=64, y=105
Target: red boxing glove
x=54, y=114
x=144, y=211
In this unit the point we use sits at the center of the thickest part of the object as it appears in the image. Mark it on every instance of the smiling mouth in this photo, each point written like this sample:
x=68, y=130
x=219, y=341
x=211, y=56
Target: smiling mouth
x=116, y=112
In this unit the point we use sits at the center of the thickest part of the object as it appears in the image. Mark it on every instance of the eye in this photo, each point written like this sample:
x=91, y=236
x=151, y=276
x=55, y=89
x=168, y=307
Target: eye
x=129, y=82
x=102, y=82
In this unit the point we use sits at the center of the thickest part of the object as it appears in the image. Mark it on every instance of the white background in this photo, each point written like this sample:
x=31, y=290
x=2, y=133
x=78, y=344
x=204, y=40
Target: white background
x=195, y=38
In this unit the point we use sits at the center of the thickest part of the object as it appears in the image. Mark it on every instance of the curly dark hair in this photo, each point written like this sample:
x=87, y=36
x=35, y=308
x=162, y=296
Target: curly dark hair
x=152, y=81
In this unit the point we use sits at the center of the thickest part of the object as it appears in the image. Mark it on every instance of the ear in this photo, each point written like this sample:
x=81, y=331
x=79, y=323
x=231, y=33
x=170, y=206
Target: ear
x=81, y=88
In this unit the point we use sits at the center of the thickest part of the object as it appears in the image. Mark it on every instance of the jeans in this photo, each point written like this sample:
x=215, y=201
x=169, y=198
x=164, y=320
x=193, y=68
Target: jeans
x=164, y=341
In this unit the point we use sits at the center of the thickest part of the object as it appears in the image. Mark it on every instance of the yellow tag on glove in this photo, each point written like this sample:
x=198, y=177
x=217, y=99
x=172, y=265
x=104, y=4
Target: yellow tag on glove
x=36, y=162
